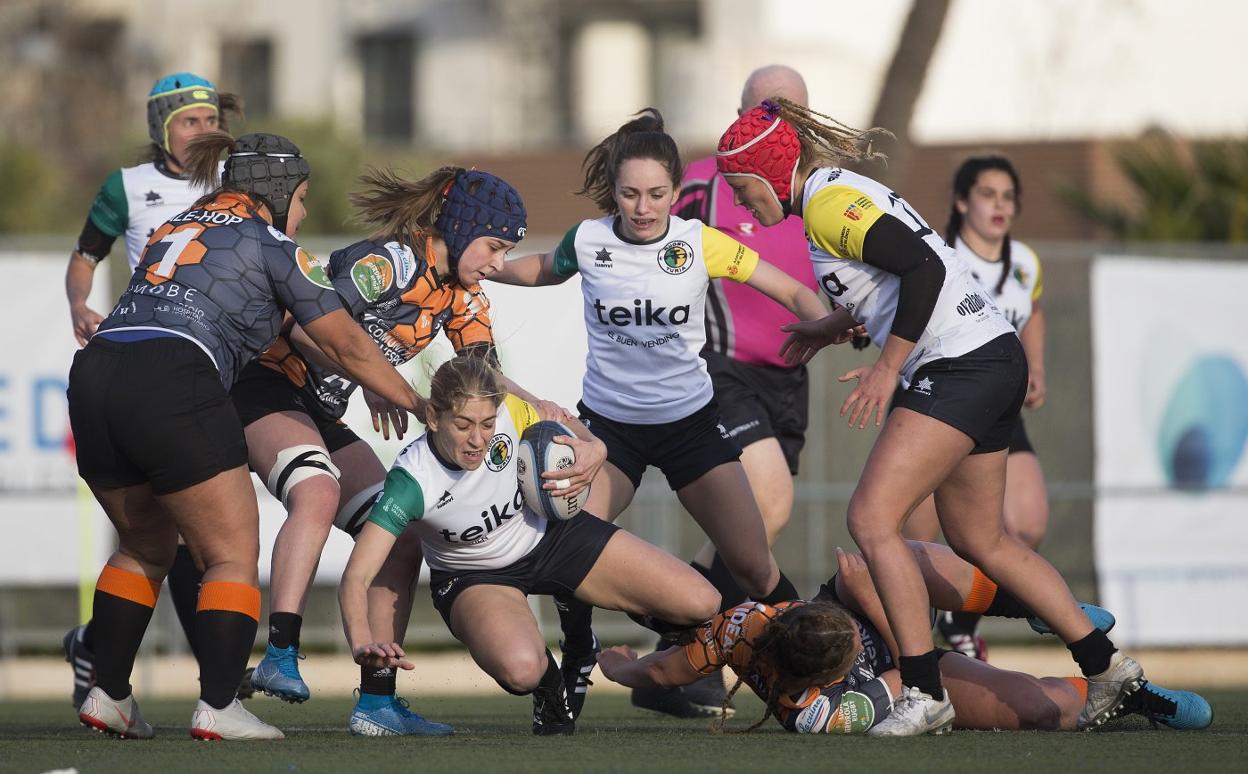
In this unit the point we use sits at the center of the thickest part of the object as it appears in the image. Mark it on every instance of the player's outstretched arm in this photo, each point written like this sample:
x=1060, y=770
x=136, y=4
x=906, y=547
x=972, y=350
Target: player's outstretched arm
x=370, y=552
x=340, y=338
x=661, y=669
x=529, y=271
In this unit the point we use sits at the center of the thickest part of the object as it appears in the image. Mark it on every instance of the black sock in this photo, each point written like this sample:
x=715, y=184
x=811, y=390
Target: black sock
x=227, y=638
x=730, y=594
x=88, y=636
x=784, y=591
x=552, y=679
x=378, y=681
x=184, y=579
x=1006, y=605
x=575, y=619
x=120, y=624
x=967, y=622
x=284, y=630
x=1092, y=653
x=923, y=672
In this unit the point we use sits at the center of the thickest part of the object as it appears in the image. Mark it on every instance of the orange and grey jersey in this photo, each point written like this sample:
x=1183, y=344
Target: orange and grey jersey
x=1021, y=289
x=839, y=207
x=645, y=314
x=396, y=291
x=466, y=519
x=850, y=705
x=222, y=277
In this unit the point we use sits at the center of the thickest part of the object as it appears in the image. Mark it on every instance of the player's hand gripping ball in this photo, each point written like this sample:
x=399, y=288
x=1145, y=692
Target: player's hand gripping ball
x=538, y=454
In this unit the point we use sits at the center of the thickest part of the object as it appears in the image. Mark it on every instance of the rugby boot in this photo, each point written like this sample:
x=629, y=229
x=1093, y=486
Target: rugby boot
x=915, y=713
x=550, y=712
x=576, y=668
x=392, y=718
x=110, y=716
x=1099, y=616
x=234, y=722
x=708, y=694
x=277, y=674
x=1108, y=690
x=82, y=661
x=1181, y=710
x=961, y=638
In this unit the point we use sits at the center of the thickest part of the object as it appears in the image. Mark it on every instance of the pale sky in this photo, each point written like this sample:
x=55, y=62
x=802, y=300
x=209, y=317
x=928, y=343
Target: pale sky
x=1032, y=69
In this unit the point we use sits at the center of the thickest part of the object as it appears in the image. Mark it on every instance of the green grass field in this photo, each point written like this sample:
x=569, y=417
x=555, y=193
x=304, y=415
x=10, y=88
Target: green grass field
x=492, y=734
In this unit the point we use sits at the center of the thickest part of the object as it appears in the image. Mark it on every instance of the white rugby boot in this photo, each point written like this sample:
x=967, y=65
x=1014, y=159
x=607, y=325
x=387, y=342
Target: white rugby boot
x=915, y=713
x=1108, y=690
x=108, y=716
x=233, y=722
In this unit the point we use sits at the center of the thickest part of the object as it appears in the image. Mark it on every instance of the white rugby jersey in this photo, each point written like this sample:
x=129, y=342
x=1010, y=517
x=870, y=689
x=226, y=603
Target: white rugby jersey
x=1021, y=289
x=838, y=208
x=135, y=201
x=466, y=519
x=645, y=314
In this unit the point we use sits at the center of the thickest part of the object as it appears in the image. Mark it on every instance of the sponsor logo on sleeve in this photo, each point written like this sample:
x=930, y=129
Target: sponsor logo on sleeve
x=676, y=257
x=404, y=261
x=313, y=268
x=855, y=714
x=814, y=718
x=373, y=275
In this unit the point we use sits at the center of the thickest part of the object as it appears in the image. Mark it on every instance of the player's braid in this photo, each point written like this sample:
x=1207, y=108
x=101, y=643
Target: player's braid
x=826, y=141
x=393, y=206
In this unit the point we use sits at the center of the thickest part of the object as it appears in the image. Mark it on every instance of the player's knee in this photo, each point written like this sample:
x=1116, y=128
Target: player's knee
x=703, y=603
x=313, y=502
x=521, y=671
x=1041, y=716
x=865, y=526
x=305, y=473
x=978, y=548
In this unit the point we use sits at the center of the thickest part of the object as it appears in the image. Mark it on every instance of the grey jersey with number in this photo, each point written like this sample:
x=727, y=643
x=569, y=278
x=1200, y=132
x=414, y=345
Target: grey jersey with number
x=222, y=277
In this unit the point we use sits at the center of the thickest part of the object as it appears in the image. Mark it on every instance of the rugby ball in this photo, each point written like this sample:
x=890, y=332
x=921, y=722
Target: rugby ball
x=539, y=453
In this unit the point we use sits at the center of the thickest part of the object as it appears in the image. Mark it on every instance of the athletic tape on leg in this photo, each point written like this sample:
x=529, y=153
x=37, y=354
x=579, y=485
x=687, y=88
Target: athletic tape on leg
x=296, y=464
x=354, y=512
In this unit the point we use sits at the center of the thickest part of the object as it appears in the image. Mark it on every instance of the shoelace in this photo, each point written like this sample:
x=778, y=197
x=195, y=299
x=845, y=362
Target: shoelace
x=1148, y=702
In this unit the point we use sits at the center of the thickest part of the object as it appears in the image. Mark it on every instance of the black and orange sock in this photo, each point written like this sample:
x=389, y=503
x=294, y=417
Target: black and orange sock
x=1081, y=685
x=730, y=593
x=989, y=599
x=225, y=627
x=184, y=579
x=284, y=630
x=576, y=622
x=123, y=607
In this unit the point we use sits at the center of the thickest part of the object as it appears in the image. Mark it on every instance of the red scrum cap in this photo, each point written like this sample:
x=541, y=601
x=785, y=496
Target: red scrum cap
x=762, y=145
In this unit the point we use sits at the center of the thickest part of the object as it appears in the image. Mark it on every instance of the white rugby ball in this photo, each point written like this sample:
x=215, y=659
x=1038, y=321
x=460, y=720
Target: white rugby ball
x=538, y=454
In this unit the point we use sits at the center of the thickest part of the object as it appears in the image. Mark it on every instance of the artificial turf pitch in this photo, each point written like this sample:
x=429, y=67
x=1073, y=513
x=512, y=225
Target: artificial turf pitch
x=492, y=734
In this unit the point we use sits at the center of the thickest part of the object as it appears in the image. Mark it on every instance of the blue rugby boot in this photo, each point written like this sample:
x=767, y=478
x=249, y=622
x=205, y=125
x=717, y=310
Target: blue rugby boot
x=1099, y=616
x=277, y=674
x=1181, y=710
x=390, y=716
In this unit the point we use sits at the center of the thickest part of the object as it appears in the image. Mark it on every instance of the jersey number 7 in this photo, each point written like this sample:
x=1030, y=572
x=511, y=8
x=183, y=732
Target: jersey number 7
x=181, y=247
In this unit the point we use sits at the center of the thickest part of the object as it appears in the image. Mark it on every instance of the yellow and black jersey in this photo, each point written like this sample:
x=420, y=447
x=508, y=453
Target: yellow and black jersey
x=839, y=207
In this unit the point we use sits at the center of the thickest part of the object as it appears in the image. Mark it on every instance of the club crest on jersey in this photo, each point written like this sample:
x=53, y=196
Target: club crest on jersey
x=676, y=257
x=313, y=268
x=853, y=212
x=499, y=452
x=373, y=275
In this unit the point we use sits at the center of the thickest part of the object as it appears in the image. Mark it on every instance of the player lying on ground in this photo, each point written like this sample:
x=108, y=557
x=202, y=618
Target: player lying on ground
x=457, y=487
x=829, y=665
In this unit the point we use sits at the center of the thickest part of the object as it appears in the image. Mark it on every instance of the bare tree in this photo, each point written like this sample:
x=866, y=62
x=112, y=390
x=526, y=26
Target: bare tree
x=903, y=83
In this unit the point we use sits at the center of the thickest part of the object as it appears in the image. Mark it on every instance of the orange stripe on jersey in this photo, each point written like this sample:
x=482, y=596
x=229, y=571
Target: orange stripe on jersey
x=983, y=590
x=233, y=597
x=128, y=585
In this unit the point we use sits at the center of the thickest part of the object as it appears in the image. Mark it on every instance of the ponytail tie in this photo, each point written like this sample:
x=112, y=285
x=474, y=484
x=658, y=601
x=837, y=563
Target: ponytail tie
x=771, y=109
